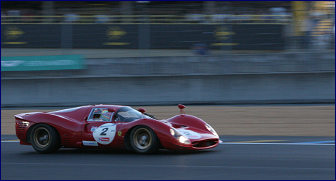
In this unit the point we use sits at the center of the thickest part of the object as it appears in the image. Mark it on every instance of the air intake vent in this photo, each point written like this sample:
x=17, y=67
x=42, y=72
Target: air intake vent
x=204, y=143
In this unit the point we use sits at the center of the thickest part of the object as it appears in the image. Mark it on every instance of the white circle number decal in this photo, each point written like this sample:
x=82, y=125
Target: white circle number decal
x=105, y=133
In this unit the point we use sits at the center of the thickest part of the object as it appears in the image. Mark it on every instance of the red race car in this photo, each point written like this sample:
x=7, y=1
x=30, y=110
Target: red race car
x=112, y=126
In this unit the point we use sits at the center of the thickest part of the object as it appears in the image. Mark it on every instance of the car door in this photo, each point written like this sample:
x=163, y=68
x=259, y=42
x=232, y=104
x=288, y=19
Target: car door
x=99, y=128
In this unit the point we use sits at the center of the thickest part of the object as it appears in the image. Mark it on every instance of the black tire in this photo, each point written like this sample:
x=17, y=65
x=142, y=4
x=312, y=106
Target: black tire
x=44, y=139
x=142, y=139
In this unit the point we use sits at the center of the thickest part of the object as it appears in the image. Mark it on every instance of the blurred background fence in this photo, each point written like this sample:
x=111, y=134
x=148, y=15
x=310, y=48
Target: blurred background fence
x=151, y=52
x=169, y=25
x=148, y=36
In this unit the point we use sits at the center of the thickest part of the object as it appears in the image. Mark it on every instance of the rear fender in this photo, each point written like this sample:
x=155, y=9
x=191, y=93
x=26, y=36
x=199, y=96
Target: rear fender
x=69, y=130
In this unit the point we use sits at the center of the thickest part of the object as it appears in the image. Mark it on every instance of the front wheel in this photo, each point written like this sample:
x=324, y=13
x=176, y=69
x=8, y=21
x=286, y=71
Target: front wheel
x=44, y=139
x=143, y=140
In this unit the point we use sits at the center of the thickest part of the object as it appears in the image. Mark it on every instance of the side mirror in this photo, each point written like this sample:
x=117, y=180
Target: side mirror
x=142, y=110
x=181, y=107
x=111, y=110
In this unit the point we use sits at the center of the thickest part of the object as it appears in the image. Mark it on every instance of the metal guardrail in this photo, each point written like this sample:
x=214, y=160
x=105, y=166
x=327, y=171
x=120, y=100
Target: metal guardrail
x=149, y=19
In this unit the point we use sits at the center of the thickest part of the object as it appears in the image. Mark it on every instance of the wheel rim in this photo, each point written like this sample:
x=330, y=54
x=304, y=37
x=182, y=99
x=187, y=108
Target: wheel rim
x=42, y=137
x=142, y=138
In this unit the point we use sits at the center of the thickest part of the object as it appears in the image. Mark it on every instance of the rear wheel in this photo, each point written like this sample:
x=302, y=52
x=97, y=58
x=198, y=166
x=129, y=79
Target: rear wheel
x=44, y=139
x=143, y=140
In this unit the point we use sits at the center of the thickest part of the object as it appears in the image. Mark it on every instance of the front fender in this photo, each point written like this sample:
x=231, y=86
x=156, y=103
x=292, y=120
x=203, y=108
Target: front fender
x=188, y=121
x=161, y=130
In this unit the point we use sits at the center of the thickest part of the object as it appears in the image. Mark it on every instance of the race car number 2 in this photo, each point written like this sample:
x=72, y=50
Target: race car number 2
x=105, y=133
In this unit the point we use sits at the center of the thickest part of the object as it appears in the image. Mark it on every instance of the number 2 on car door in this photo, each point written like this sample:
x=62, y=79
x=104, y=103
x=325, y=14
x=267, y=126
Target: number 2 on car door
x=103, y=133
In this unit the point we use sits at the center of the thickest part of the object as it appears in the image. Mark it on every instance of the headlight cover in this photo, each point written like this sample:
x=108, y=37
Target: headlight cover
x=211, y=129
x=182, y=139
x=172, y=132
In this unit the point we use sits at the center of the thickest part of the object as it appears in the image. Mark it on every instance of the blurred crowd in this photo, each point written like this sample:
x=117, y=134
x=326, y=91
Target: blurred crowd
x=103, y=12
x=316, y=29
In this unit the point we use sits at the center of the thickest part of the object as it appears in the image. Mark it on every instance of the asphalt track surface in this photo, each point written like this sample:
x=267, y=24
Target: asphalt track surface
x=237, y=158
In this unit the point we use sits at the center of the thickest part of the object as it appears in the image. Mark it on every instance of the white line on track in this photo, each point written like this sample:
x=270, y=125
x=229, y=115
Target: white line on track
x=154, y=165
x=232, y=143
x=309, y=144
x=10, y=141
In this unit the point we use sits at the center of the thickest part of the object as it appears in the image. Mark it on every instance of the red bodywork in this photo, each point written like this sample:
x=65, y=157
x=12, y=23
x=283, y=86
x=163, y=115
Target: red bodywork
x=73, y=128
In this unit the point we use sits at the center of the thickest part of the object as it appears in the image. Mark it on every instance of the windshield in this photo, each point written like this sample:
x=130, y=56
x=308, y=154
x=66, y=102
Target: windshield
x=127, y=114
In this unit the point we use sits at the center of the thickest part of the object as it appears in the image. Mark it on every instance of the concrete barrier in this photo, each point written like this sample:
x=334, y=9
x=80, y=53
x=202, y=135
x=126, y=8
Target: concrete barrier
x=275, y=88
x=297, y=78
